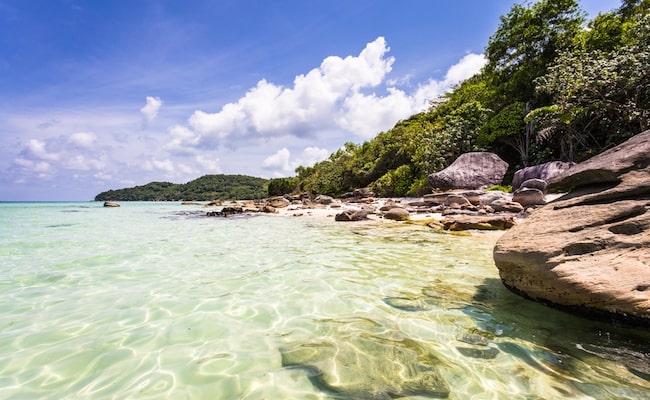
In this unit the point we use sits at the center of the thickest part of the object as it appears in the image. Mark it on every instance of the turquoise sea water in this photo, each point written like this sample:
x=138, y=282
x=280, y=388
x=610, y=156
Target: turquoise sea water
x=156, y=301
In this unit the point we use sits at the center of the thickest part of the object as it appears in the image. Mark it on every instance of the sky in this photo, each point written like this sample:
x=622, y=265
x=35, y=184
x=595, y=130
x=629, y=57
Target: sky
x=99, y=95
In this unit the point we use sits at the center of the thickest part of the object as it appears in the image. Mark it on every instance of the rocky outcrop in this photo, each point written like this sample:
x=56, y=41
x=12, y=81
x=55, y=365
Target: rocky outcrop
x=351, y=215
x=590, y=249
x=278, y=202
x=397, y=214
x=111, y=204
x=470, y=171
x=476, y=222
x=544, y=172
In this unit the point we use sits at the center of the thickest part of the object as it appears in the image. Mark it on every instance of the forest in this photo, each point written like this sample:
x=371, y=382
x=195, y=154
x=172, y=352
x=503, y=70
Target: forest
x=555, y=87
x=207, y=187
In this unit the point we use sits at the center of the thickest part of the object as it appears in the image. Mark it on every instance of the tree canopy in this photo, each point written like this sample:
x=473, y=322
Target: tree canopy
x=207, y=187
x=555, y=87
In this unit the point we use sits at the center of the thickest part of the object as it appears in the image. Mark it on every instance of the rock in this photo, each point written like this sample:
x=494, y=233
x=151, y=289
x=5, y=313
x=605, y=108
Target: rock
x=363, y=193
x=268, y=209
x=369, y=367
x=190, y=203
x=226, y=212
x=351, y=215
x=489, y=197
x=589, y=251
x=397, y=214
x=111, y=204
x=214, y=203
x=538, y=184
x=505, y=205
x=544, y=172
x=456, y=200
x=323, y=199
x=278, y=202
x=472, y=197
x=470, y=171
x=528, y=197
x=479, y=222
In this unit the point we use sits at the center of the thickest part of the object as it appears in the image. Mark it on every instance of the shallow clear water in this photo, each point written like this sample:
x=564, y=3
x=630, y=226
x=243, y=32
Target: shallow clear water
x=153, y=300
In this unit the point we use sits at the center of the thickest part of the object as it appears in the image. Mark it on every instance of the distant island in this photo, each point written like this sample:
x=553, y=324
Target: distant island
x=207, y=187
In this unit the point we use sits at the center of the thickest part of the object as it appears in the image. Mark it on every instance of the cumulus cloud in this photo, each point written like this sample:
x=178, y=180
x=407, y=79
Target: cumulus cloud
x=35, y=148
x=83, y=139
x=150, y=110
x=281, y=162
x=352, y=94
x=159, y=165
x=209, y=165
x=278, y=161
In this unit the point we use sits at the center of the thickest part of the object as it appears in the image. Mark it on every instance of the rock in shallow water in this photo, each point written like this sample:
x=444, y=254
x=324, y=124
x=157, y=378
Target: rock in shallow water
x=368, y=367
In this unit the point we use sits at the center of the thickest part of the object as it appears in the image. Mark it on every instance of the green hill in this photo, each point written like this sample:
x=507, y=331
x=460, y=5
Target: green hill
x=207, y=187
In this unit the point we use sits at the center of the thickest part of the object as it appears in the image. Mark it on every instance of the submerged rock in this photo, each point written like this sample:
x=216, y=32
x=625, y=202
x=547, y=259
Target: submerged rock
x=369, y=367
x=589, y=250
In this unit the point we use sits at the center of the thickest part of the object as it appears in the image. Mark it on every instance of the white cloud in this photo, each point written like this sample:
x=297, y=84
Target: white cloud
x=33, y=166
x=278, y=161
x=36, y=149
x=82, y=163
x=310, y=156
x=281, y=163
x=150, y=110
x=337, y=96
x=467, y=67
x=83, y=139
x=209, y=165
x=159, y=165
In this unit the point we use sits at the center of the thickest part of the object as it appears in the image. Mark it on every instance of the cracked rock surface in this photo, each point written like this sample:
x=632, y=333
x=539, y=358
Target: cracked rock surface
x=589, y=250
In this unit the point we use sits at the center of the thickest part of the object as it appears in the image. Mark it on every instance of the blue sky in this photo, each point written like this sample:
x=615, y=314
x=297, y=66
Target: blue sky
x=98, y=95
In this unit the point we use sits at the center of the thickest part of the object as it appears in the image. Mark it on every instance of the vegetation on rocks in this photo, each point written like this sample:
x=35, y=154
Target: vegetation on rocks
x=555, y=87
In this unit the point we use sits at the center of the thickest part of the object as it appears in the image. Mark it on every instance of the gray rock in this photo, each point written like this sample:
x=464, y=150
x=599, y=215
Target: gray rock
x=538, y=184
x=351, y=215
x=470, y=171
x=505, y=205
x=323, y=199
x=589, y=251
x=529, y=197
x=397, y=214
x=545, y=172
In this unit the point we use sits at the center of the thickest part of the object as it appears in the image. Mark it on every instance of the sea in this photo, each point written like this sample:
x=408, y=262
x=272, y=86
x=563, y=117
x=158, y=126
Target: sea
x=158, y=301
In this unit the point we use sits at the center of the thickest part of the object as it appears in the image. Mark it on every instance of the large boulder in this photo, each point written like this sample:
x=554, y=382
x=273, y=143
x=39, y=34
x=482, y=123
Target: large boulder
x=590, y=249
x=470, y=171
x=545, y=172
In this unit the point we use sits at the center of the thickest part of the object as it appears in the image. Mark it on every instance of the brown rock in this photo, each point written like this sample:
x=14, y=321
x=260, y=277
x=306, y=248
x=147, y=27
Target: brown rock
x=589, y=250
x=278, y=202
x=111, y=204
x=480, y=222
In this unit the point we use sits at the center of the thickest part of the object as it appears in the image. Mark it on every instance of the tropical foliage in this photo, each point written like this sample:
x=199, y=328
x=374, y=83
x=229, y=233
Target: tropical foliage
x=555, y=87
x=208, y=187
